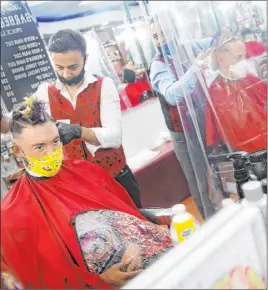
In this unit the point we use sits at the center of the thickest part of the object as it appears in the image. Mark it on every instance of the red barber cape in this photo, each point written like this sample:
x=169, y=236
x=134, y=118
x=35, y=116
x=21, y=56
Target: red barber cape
x=254, y=48
x=38, y=241
x=134, y=91
x=238, y=114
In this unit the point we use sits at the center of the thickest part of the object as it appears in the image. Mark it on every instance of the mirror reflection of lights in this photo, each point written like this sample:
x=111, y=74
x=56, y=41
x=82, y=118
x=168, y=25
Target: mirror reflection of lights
x=125, y=26
x=129, y=35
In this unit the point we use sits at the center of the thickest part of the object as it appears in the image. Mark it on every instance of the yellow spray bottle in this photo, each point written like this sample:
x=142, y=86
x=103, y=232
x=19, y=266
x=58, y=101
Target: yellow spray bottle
x=183, y=223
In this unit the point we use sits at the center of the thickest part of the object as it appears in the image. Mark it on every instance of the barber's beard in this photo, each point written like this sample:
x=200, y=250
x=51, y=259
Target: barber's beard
x=74, y=81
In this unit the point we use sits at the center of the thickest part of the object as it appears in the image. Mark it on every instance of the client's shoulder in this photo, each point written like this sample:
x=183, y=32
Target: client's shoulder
x=16, y=197
x=83, y=165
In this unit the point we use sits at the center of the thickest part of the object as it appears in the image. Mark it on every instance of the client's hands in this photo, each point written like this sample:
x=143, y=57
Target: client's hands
x=116, y=276
x=132, y=257
x=69, y=132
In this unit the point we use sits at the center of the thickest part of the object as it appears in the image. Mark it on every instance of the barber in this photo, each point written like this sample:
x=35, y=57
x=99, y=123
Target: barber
x=87, y=109
x=169, y=88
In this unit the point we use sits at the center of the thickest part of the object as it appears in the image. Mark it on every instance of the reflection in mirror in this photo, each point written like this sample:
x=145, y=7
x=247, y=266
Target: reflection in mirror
x=222, y=95
x=133, y=38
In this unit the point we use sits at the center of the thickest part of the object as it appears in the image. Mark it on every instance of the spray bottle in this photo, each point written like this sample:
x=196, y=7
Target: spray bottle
x=254, y=195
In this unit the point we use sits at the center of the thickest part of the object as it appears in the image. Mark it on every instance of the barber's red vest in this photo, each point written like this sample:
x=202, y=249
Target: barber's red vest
x=86, y=114
x=171, y=113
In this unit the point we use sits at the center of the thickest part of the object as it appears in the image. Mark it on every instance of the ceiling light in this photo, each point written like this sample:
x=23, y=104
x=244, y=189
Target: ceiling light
x=4, y=3
x=34, y=3
x=84, y=3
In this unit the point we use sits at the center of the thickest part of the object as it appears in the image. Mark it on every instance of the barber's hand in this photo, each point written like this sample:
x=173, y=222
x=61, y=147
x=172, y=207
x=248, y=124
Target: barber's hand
x=204, y=54
x=132, y=257
x=69, y=132
x=116, y=276
x=204, y=58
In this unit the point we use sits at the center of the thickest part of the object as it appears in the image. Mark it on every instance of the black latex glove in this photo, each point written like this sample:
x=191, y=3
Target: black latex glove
x=69, y=132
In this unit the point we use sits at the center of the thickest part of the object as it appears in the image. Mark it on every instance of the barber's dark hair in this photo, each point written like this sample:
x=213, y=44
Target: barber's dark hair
x=36, y=115
x=129, y=76
x=66, y=40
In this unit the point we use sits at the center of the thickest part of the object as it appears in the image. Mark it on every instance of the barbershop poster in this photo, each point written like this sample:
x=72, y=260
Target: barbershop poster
x=24, y=61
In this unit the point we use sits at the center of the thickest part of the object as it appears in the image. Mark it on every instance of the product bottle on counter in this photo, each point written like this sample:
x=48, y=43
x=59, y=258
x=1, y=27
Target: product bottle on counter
x=183, y=224
x=254, y=195
x=226, y=202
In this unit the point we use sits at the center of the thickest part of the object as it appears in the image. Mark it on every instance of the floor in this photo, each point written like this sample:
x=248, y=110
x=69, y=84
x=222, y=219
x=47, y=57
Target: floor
x=192, y=209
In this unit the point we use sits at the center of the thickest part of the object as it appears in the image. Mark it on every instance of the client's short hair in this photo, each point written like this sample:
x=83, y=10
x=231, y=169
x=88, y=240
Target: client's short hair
x=25, y=115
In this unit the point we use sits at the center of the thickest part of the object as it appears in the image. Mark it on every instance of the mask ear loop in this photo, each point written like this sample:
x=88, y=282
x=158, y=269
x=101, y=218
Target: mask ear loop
x=24, y=159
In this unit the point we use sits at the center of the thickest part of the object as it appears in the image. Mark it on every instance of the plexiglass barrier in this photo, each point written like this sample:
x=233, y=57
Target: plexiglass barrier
x=215, y=54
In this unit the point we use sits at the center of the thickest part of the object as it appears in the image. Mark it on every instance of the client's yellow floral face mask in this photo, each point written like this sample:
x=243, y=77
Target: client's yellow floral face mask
x=47, y=165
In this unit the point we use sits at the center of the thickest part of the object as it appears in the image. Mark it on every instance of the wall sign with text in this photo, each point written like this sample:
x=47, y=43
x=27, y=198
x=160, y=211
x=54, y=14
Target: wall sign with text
x=24, y=60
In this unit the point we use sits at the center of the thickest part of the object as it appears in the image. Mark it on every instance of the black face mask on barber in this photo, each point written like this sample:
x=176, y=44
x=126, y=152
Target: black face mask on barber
x=74, y=81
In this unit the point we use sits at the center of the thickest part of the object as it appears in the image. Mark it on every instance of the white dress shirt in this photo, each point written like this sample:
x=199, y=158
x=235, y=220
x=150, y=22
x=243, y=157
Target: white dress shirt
x=110, y=134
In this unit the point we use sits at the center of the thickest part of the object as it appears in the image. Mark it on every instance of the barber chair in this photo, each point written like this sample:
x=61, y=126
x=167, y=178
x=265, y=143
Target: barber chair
x=146, y=96
x=157, y=215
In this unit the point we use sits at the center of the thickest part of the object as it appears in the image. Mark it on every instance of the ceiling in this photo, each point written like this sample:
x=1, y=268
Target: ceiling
x=50, y=11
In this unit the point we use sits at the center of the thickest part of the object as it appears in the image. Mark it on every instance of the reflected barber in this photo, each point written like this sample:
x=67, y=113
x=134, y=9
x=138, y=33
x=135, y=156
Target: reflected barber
x=169, y=88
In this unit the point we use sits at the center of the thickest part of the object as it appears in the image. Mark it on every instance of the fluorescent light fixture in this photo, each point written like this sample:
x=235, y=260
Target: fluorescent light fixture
x=4, y=4
x=34, y=3
x=226, y=5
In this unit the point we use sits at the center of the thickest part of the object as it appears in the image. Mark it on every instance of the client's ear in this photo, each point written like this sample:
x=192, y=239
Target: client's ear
x=16, y=150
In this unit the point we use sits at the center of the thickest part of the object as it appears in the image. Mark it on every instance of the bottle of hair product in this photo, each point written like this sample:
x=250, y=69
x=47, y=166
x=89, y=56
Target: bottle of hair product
x=183, y=224
x=227, y=202
x=254, y=196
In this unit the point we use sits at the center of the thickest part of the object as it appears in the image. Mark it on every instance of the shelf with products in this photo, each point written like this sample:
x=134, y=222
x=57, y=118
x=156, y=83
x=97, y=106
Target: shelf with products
x=109, y=43
x=113, y=58
x=11, y=166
